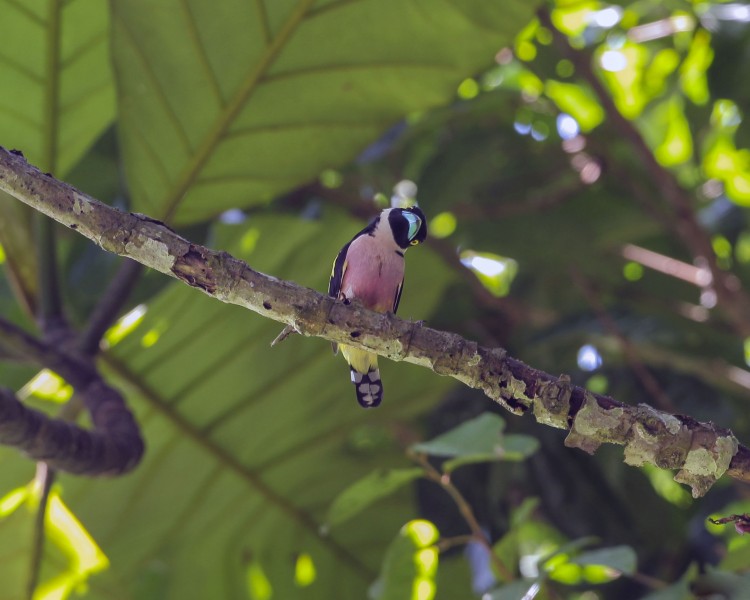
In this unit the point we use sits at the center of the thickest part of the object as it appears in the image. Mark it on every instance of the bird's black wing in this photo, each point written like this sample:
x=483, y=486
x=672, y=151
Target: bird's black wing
x=337, y=272
x=334, y=283
x=397, y=299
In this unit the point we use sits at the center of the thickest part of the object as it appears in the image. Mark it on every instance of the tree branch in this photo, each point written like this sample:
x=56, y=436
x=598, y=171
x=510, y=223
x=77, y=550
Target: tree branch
x=700, y=451
x=115, y=445
x=109, y=306
x=49, y=306
x=45, y=477
x=113, y=448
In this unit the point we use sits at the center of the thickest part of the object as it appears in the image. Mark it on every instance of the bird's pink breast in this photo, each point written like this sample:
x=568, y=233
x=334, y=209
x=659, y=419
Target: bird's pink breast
x=373, y=274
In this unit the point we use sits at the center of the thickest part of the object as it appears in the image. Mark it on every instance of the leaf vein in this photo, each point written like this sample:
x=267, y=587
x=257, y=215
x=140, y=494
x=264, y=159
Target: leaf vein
x=154, y=156
x=264, y=25
x=315, y=69
x=26, y=12
x=91, y=44
x=155, y=84
x=21, y=69
x=249, y=130
x=203, y=57
x=216, y=133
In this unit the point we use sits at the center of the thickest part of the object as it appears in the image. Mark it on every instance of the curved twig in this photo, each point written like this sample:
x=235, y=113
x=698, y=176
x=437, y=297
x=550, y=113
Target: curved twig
x=115, y=445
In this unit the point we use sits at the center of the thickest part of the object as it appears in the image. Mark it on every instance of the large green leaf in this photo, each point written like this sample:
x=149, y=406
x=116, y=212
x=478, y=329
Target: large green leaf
x=247, y=444
x=57, y=98
x=228, y=105
x=56, y=79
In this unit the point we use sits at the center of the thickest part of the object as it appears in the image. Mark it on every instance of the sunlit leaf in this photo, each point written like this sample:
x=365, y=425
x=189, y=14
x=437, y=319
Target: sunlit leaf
x=83, y=555
x=468, y=89
x=495, y=272
x=577, y=101
x=677, y=144
x=304, y=571
x=258, y=586
x=410, y=565
x=664, y=484
x=125, y=325
x=12, y=500
x=573, y=18
x=442, y=225
x=47, y=385
x=658, y=70
x=693, y=69
x=627, y=84
x=724, y=161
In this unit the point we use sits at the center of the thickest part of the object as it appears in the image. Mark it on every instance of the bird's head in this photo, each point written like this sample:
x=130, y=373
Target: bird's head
x=408, y=225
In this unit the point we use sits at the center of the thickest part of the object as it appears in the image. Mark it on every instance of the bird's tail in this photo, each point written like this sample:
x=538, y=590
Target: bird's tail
x=365, y=375
x=368, y=387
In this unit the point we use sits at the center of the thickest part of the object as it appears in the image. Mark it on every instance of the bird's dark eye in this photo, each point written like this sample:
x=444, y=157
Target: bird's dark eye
x=414, y=242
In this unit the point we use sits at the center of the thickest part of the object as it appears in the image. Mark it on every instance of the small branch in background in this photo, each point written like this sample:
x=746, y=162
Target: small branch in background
x=697, y=276
x=285, y=333
x=717, y=373
x=49, y=307
x=729, y=294
x=109, y=306
x=649, y=382
x=445, y=544
x=444, y=481
x=16, y=238
x=45, y=477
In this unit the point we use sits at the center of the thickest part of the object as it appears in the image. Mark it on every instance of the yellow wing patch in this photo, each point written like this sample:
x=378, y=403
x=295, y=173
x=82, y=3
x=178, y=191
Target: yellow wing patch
x=361, y=360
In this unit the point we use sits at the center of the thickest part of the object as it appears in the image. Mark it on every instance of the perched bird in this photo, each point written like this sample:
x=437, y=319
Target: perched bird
x=370, y=270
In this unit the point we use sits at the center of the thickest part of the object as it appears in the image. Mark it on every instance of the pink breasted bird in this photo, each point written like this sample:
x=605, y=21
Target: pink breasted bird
x=370, y=269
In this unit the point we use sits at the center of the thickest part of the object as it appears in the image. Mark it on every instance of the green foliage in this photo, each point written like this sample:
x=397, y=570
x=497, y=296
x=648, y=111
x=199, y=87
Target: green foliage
x=478, y=440
x=410, y=564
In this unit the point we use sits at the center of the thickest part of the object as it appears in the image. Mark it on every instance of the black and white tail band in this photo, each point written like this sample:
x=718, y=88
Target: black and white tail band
x=369, y=388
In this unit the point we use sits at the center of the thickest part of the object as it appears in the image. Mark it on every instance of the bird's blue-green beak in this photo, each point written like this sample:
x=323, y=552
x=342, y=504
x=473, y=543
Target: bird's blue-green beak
x=414, y=224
